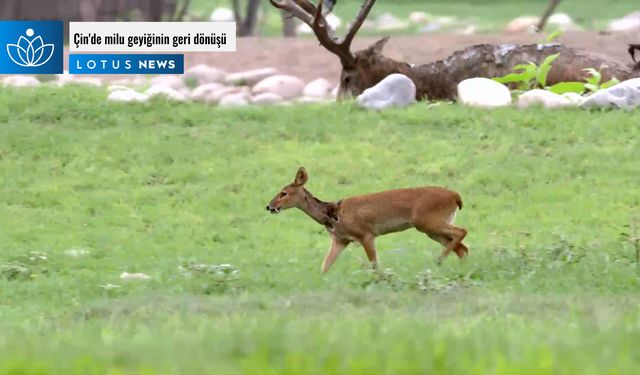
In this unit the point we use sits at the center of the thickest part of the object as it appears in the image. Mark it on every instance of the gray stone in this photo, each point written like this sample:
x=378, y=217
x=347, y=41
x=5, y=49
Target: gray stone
x=624, y=95
x=396, y=90
x=544, y=98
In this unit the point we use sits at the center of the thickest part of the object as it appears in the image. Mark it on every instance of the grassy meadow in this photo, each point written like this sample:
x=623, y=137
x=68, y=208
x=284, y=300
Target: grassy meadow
x=90, y=190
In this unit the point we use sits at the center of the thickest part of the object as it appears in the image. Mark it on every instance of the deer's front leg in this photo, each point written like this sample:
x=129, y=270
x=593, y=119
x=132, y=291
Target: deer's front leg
x=370, y=248
x=336, y=248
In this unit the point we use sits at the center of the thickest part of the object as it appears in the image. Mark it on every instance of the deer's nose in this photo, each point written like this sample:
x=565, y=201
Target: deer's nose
x=268, y=209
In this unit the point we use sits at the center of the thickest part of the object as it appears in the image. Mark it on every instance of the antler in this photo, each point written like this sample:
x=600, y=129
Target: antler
x=312, y=16
x=632, y=50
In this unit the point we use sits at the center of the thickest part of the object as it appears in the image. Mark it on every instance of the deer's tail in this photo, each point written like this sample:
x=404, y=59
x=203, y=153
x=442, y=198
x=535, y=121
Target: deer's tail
x=459, y=201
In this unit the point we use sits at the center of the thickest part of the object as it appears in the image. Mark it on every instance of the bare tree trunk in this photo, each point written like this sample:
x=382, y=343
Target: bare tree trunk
x=236, y=12
x=246, y=25
x=262, y=18
x=251, y=20
x=156, y=10
x=89, y=10
x=9, y=9
x=182, y=10
x=288, y=25
x=550, y=9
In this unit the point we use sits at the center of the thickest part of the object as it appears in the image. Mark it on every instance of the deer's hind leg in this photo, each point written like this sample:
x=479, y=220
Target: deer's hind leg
x=444, y=232
x=450, y=236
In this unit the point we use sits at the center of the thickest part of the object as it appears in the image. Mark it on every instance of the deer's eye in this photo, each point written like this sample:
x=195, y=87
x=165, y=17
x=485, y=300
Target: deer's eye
x=283, y=194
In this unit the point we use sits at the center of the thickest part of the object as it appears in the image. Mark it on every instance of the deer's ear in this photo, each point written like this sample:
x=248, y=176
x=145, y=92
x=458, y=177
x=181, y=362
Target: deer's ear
x=377, y=47
x=301, y=177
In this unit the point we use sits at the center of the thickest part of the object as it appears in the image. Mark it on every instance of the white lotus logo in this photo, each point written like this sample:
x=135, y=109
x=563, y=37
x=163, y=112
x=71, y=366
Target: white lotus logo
x=30, y=52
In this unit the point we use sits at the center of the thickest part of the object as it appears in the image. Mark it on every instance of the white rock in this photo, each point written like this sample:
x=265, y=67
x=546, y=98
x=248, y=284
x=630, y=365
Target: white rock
x=173, y=81
x=112, y=88
x=76, y=253
x=625, y=95
x=543, y=98
x=418, y=17
x=201, y=92
x=135, y=81
x=20, y=81
x=483, y=92
x=165, y=91
x=266, y=98
x=64, y=78
x=215, y=96
x=623, y=25
x=312, y=99
x=445, y=20
x=575, y=98
x=388, y=22
x=468, y=30
x=234, y=100
x=128, y=95
x=319, y=88
x=561, y=21
x=367, y=25
x=303, y=28
x=222, y=14
x=134, y=276
x=202, y=74
x=249, y=77
x=284, y=85
x=630, y=22
x=396, y=90
x=110, y=286
x=333, y=21
x=430, y=28
x=522, y=24
x=89, y=81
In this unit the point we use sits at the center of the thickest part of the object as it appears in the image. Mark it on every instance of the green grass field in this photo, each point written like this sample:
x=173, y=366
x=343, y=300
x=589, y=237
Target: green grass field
x=551, y=285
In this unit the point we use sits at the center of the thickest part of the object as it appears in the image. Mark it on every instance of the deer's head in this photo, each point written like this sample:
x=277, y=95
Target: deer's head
x=367, y=68
x=291, y=195
x=360, y=70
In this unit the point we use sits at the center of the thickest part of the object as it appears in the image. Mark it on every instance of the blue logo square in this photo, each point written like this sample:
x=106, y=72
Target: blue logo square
x=31, y=47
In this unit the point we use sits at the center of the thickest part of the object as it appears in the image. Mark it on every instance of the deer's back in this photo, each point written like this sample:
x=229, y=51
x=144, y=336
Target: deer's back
x=395, y=210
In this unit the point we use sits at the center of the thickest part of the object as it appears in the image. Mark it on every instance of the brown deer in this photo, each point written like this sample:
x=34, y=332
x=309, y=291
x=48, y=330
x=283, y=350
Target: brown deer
x=438, y=80
x=362, y=218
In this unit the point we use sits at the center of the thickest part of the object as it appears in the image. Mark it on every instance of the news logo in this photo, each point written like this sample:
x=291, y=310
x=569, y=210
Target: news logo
x=126, y=63
x=31, y=47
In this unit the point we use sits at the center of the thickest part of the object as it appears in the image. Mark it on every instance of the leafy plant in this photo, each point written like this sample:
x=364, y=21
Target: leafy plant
x=529, y=76
x=553, y=36
x=564, y=87
x=593, y=82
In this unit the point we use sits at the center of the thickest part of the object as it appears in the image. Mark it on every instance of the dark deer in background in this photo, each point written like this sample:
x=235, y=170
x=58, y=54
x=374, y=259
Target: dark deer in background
x=439, y=80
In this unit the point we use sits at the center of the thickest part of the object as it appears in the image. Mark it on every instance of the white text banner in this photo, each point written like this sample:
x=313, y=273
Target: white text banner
x=152, y=37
